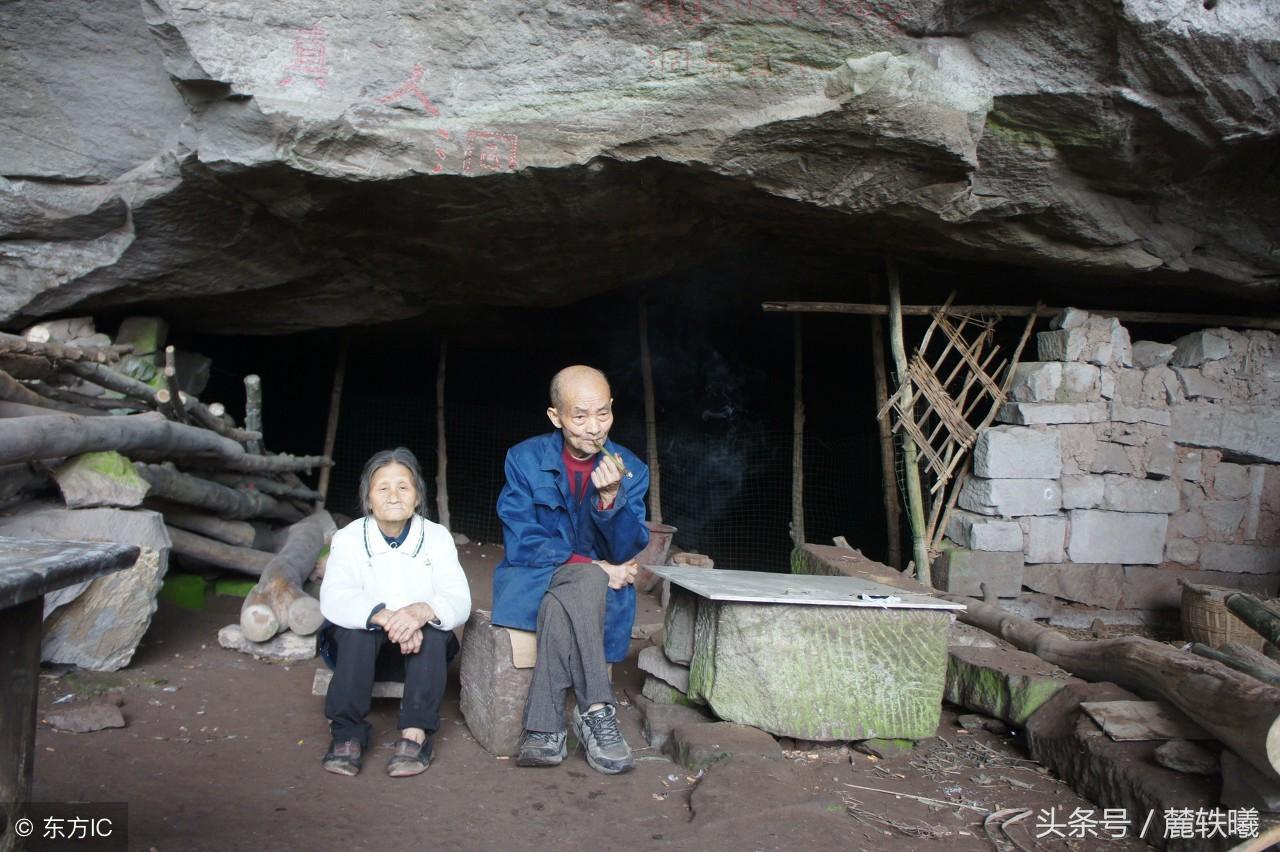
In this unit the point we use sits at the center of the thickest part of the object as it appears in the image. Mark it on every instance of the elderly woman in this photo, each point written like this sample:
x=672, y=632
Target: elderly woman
x=393, y=593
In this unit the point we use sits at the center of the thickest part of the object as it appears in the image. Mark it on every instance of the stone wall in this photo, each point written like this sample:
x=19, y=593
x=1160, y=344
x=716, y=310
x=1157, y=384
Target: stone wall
x=1118, y=467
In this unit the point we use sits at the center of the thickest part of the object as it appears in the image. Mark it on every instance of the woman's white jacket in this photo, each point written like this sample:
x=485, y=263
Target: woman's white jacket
x=364, y=571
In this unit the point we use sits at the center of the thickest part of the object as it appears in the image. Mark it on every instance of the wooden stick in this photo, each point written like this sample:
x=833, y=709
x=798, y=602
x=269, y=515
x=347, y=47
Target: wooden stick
x=14, y=391
x=924, y=799
x=1256, y=657
x=169, y=484
x=915, y=500
x=137, y=435
x=100, y=403
x=27, y=367
x=253, y=410
x=1254, y=613
x=178, y=410
x=274, y=463
x=277, y=601
x=936, y=532
x=113, y=380
x=335, y=410
x=442, y=455
x=238, y=533
x=797, y=438
x=1240, y=711
x=888, y=475
x=1157, y=317
x=650, y=417
x=205, y=415
x=12, y=344
x=242, y=559
x=1266, y=674
x=264, y=484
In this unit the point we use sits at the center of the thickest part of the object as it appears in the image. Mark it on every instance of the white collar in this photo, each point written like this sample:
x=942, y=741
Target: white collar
x=375, y=542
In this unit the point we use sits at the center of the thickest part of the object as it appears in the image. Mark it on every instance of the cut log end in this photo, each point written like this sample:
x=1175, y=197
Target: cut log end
x=259, y=622
x=305, y=617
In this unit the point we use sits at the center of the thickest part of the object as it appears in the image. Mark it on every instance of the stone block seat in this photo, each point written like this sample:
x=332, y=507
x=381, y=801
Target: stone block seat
x=497, y=666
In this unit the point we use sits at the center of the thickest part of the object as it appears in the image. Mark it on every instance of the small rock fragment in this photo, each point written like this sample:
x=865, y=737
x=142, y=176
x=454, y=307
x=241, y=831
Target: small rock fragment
x=85, y=718
x=1186, y=756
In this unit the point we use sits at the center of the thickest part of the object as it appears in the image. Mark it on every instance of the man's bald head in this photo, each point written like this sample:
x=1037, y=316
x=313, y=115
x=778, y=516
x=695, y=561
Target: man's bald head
x=571, y=379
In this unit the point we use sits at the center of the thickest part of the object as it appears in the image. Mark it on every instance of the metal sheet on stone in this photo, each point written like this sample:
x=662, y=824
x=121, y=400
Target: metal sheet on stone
x=807, y=589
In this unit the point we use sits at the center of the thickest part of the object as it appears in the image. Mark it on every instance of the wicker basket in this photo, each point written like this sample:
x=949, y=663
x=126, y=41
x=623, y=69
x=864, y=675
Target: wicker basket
x=1206, y=619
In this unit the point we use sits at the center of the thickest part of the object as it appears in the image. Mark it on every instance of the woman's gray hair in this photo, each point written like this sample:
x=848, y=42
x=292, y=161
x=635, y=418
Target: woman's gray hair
x=382, y=458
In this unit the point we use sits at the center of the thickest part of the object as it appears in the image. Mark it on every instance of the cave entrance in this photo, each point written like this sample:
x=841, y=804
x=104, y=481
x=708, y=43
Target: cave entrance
x=723, y=379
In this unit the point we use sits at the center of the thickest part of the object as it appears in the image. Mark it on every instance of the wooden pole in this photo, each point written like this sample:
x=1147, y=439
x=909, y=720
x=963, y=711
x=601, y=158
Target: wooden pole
x=1243, y=713
x=650, y=418
x=797, y=441
x=171, y=384
x=1264, y=669
x=219, y=553
x=15, y=345
x=59, y=435
x=1254, y=613
x=232, y=503
x=278, y=602
x=1160, y=317
x=253, y=410
x=442, y=455
x=888, y=476
x=335, y=409
x=911, y=472
x=238, y=533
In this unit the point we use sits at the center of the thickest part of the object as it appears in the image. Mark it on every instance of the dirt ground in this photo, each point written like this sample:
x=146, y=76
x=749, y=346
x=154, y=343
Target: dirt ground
x=222, y=752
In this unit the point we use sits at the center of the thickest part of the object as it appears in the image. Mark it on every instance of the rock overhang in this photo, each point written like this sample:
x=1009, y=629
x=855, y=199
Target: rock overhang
x=343, y=169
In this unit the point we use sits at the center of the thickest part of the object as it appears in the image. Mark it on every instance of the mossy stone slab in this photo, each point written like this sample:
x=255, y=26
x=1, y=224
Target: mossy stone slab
x=821, y=672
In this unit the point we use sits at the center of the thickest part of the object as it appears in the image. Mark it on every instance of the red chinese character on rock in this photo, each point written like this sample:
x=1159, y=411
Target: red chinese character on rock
x=410, y=87
x=440, y=152
x=310, y=57
x=497, y=152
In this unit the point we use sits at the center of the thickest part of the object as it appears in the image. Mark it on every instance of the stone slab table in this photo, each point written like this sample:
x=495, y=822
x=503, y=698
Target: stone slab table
x=809, y=656
x=30, y=569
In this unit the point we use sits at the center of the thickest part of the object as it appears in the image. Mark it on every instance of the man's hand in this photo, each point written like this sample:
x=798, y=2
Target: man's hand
x=401, y=624
x=619, y=575
x=606, y=478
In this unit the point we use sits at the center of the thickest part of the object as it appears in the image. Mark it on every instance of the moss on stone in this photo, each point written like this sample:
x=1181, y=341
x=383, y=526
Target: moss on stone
x=184, y=590
x=822, y=673
x=110, y=464
x=1059, y=130
x=979, y=681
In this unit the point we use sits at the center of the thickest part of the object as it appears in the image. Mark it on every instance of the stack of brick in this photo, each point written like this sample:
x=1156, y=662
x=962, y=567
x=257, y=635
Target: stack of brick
x=1118, y=468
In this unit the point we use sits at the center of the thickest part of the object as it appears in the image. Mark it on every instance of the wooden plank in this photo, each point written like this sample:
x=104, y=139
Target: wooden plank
x=1158, y=317
x=805, y=589
x=31, y=568
x=1140, y=721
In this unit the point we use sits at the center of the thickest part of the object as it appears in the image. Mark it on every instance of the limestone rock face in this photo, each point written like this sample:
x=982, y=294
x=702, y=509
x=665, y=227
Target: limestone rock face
x=98, y=625
x=821, y=673
x=322, y=153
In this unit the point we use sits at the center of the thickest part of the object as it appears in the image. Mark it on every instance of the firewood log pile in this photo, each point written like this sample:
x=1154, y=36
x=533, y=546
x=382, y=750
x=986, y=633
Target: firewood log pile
x=95, y=422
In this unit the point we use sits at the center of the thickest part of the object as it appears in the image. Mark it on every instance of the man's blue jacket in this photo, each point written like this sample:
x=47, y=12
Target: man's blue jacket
x=542, y=526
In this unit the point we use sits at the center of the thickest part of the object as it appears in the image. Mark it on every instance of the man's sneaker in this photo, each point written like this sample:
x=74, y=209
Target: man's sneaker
x=343, y=758
x=598, y=732
x=540, y=748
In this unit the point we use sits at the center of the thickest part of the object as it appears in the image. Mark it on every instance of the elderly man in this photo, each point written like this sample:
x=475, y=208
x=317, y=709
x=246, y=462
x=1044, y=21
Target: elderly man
x=572, y=513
